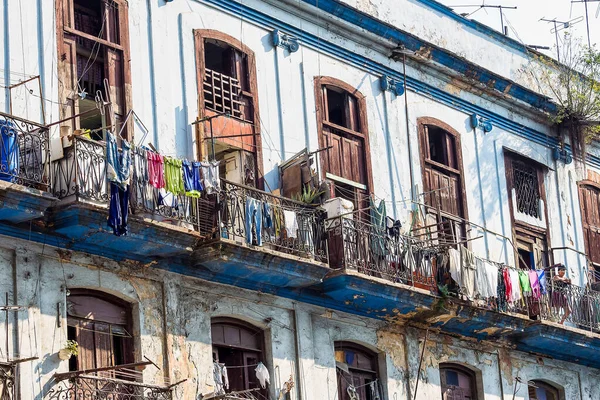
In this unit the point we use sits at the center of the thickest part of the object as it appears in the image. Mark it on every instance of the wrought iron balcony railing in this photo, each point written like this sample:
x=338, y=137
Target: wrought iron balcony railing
x=571, y=304
x=81, y=175
x=254, y=217
x=100, y=388
x=24, y=152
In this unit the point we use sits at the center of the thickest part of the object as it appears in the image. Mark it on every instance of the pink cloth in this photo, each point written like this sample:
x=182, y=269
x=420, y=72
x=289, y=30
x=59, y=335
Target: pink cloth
x=156, y=170
x=535, y=284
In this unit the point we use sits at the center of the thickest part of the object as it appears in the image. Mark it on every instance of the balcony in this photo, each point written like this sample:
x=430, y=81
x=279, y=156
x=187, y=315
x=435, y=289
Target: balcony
x=157, y=227
x=24, y=175
x=97, y=388
x=251, y=245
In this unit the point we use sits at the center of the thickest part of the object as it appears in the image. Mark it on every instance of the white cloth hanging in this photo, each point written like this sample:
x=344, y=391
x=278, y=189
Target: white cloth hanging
x=262, y=374
x=291, y=224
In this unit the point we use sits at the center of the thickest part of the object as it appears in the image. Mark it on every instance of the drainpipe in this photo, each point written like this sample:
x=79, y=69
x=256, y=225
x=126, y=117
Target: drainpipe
x=299, y=375
x=388, y=148
x=41, y=60
x=305, y=108
x=483, y=218
x=499, y=186
x=560, y=214
x=152, y=75
x=279, y=105
x=6, y=56
x=408, y=141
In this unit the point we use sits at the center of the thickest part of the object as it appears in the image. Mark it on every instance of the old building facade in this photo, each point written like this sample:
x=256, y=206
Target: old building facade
x=362, y=183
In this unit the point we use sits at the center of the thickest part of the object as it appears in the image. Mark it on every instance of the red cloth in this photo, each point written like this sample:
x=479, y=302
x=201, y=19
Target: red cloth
x=156, y=170
x=507, y=283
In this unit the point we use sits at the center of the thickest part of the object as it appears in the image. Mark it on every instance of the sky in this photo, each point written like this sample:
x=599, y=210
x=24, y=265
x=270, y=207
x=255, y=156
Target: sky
x=524, y=23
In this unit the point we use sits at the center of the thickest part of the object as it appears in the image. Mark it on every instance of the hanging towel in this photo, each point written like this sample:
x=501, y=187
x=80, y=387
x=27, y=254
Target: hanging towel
x=535, y=284
x=454, y=265
x=378, y=220
x=525, y=285
x=482, y=287
x=174, y=176
x=290, y=223
x=542, y=279
x=468, y=272
x=156, y=172
x=192, y=179
x=118, y=166
x=516, y=287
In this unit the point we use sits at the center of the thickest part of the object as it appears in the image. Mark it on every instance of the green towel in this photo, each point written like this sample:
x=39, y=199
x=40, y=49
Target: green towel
x=174, y=176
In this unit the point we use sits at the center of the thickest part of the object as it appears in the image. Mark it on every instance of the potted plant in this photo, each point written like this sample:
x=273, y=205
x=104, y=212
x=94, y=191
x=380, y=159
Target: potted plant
x=71, y=349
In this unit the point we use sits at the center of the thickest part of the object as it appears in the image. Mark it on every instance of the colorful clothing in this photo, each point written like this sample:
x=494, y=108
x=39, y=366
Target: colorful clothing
x=174, y=176
x=507, y=283
x=118, y=165
x=535, y=284
x=192, y=179
x=525, y=284
x=156, y=174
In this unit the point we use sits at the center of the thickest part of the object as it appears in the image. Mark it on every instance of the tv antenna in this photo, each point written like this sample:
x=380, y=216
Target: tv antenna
x=503, y=28
x=587, y=17
x=560, y=26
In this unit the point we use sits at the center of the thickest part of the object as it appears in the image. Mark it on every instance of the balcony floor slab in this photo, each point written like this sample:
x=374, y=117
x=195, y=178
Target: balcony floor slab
x=21, y=204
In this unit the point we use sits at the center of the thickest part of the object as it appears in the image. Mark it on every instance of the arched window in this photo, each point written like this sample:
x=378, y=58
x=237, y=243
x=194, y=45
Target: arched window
x=539, y=390
x=457, y=382
x=443, y=180
x=356, y=372
x=238, y=347
x=228, y=103
x=344, y=139
x=101, y=325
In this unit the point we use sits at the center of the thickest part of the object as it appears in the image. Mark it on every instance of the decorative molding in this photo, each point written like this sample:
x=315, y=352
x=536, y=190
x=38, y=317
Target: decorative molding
x=390, y=84
x=480, y=122
x=284, y=40
x=560, y=154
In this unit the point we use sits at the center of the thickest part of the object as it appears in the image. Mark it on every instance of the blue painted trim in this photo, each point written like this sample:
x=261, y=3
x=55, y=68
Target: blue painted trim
x=377, y=69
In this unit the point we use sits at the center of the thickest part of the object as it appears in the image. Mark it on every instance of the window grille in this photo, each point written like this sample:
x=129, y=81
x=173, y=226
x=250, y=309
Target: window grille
x=527, y=189
x=222, y=94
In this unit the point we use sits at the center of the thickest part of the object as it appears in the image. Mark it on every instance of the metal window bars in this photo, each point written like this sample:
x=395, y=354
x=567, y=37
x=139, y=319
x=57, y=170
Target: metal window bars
x=222, y=93
x=24, y=152
x=527, y=189
x=95, y=388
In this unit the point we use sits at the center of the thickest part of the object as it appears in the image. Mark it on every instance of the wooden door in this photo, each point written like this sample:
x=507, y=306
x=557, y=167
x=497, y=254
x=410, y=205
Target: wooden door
x=589, y=199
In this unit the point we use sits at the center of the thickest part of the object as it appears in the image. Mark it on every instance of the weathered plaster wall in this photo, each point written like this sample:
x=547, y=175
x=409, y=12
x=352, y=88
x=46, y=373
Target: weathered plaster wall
x=172, y=317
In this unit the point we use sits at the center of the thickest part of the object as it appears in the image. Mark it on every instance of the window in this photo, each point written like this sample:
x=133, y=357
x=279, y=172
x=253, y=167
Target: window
x=343, y=139
x=239, y=347
x=457, y=382
x=356, y=372
x=542, y=391
x=443, y=181
x=525, y=187
x=228, y=95
x=589, y=201
x=93, y=46
x=101, y=325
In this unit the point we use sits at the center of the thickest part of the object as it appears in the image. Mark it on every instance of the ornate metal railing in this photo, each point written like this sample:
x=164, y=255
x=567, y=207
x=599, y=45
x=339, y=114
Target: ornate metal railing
x=81, y=174
x=99, y=388
x=358, y=245
x=566, y=303
x=254, y=217
x=24, y=152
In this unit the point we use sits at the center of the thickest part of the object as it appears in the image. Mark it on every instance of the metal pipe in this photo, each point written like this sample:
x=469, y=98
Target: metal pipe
x=408, y=141
x=421, y=363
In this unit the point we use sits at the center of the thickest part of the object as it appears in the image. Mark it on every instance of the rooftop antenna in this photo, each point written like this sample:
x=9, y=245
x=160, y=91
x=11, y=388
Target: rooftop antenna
x=587, y=18
x=559, y=26
x=503, y=28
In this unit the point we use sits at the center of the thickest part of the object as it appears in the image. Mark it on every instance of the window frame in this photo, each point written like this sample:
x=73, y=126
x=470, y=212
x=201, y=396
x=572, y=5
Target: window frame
x=556, y=391
x=523, y=232
x=65, y=25
x=128, y=344
x=321, y=83
x=244, y=351
x=463, y=370
x=357, y=348
x=426, y=162
x=200, y=36
x=588, y=185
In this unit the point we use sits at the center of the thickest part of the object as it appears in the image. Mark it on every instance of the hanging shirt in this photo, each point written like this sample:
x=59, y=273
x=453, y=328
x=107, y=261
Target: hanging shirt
x=525, y=285
x=468, y=272
x=174, y=176
x=454, y=265
x=210, y=176
x=507, y=283
x=192, y=178
x=516, y=287
x=156, y=173
x=535, y=284
x=290, y=223
x=482, y=285
x=118, y=165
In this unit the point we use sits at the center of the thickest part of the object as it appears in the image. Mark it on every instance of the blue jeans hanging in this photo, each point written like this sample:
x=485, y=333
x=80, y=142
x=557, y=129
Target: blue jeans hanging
x=118, y=166
x=253, y=219
x=118, y=209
